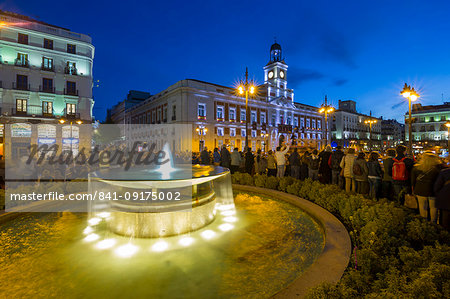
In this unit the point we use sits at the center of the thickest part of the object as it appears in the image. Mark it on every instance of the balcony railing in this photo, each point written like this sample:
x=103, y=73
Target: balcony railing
x=31, y=111
x=71, y=92
x=71, y=115
x=48, y=68
x=46, y=89
x=71, y=70
x=21, y=62
x=20, y=86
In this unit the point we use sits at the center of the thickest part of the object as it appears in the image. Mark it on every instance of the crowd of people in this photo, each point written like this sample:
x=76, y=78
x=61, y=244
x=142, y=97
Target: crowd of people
x=390, y=175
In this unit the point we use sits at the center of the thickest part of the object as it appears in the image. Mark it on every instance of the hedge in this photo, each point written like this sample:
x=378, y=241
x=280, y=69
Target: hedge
x=396, y=253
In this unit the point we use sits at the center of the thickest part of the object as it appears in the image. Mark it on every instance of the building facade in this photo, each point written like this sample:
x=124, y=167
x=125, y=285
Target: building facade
x=392, y=133
x=45, y=79
x=117, y=113
x=428, y=128
x=349, y=128
x=218, y=116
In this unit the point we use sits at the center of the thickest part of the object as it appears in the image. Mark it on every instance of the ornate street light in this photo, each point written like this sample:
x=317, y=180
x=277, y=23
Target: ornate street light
x=326, y=109
x=370, y=121
x=411, y=95
x=246, y=88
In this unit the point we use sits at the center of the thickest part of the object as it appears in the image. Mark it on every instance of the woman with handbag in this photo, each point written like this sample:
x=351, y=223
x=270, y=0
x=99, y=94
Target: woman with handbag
x=423, y=177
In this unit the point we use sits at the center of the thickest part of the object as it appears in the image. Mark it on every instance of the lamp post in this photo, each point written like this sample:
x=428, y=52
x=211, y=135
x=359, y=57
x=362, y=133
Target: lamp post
x=447, y=124
x=370, y=121
x=266, y=141
x=326, y=109
x=411, y=95
x=201, y=131
x=246, y=88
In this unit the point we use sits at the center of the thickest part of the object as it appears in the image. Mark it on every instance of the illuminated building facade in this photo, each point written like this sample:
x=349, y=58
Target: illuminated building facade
x=392, y=133
x=217, y=113
x=45, y=75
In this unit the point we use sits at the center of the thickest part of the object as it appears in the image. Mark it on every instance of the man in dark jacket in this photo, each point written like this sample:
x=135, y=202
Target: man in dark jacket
x=336, y=158
x=204, y=156
x=225, y=157
x=442, y=191
x=400, y=185
x=294, y=161
x=249, y=161
x=387, y=174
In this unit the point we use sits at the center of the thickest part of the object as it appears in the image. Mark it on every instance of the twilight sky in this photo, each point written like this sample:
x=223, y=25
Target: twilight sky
x=361, y=50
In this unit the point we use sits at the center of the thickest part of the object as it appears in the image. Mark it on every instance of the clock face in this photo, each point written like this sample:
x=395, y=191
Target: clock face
x=270, y=74
x=281, y=74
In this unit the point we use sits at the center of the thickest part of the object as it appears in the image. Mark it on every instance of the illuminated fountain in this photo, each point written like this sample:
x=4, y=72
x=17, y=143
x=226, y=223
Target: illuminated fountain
x=162, y=201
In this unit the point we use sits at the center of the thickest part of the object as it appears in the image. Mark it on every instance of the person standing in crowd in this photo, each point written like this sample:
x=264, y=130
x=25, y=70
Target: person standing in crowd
x=225, y=157
x=280, y=157
x=262, y=163
x=249, y=161
x=347, y=166
x=374, y=176
x=271, y=164
x=242, y=164
x=304, y=166
x=401, y=172
x=360, y=172
x=216, y=157
x=313, y=165
x=204, y=156
x=235, y=160
x=294, y=161
x=442, y=192
x=325, y=168
x=336, y=158
x=387, y=184
x=258, y=161
x=423, y=177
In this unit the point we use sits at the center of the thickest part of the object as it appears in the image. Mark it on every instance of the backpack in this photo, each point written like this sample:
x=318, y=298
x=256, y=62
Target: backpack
x=336, y=161
x=399, y=170
x=357, y=169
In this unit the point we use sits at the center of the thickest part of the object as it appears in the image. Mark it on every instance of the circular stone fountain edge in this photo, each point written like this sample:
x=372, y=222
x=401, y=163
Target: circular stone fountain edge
x=332, y=262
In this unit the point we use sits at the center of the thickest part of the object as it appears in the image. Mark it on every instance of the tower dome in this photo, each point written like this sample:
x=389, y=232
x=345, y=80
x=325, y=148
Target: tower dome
x=275, y=52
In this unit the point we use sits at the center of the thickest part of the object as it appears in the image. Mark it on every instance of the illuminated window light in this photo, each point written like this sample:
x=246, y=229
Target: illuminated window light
x=91, y=237
x=230, y=219
x=228, y=213
x=126, y=250
x=226, y=227
x=186, y=241
x=104, y=214
x=94, y=221
x=105, y=244
x=88, y=230
x=208, y=234
x=160, y=246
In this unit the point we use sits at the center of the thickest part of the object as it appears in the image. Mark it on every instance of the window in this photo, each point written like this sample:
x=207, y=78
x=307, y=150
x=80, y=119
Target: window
x=21, y=106
x=158, y=116
x=232, y=114
x=71, y=88
x=295, y=121
x=22, y=59
x=281, y=119
x=47, y=108
x=47, y=85
x=243, y=116
x=71, y=109
x=307, y=123
x=71, y=68
x=253, y=117
x=313, y=136
x=243, y=132
x=201, y=110
x=47, y=64
x=153, y=116
x=274, y=117
x=165, y=114
x=319, y=125
x=22, y=39
x=219, y=113
x=263, y=117
x=219, y=131
x=71, y=49
x=253, y=133
x=313, y=123
x=22, y=82
x=232, y=132
x=288, y=120
x=174, y=112
x=48, y=44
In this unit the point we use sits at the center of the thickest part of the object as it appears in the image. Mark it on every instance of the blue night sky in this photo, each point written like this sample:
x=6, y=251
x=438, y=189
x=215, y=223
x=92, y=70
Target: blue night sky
x=361, y=50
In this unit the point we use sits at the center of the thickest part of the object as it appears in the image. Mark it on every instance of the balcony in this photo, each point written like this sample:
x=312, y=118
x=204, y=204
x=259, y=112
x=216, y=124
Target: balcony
x=32, y=111
x=220, y=119
x=71, y=70
x=71, y=92
x=21, y=62
x=21, y=86
x=201, y=117
x=71, y=115
x=48, y=68
x=46, y=89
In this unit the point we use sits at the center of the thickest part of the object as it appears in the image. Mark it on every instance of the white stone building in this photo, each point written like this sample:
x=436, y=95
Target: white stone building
x=45, y=75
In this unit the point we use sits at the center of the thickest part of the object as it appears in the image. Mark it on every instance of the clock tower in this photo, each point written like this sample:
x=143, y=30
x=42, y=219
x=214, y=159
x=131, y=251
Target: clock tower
x=275, y=75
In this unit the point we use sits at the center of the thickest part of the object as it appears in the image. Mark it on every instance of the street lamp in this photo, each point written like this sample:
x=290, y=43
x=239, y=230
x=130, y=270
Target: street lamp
x=411, y=95
x=326, y=109
x=266, y=141
x=370, y=121
x=201, y=132
x=246, y=88
x=447, y=124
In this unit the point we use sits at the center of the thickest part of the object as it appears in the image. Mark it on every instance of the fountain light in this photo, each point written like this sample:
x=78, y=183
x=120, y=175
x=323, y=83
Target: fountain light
x=105, y=244
x=208, y=234
x=226, y=227
x=228, y=213
x=91, y=237
x=88, y=230
x=94, y=221
x=230, y=219
x=186, y=241
x=126, y=250
x=160, y=246
x=104, y=214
